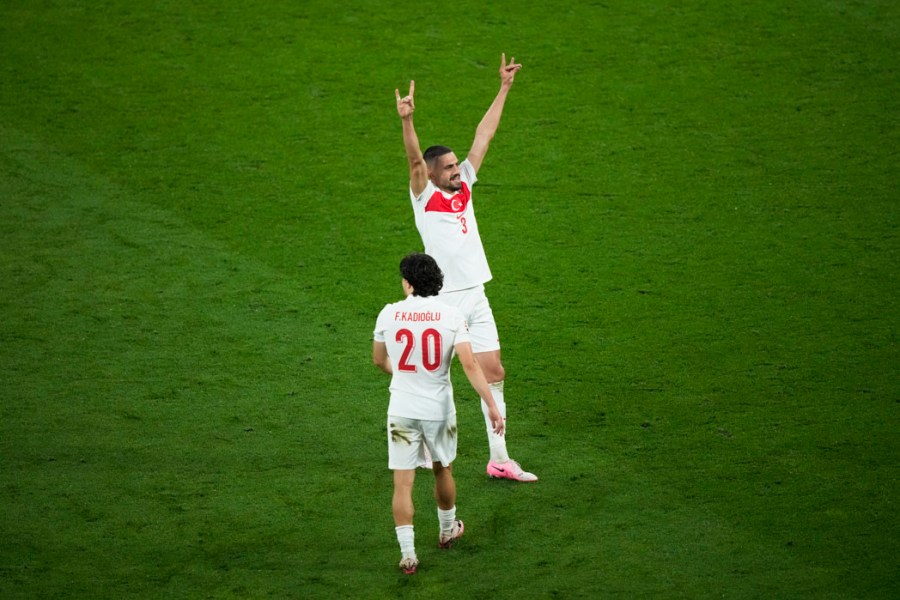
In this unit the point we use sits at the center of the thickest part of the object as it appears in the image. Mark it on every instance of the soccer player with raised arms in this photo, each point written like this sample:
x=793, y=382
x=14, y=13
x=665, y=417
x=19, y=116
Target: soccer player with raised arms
x=441, y=192
x=414, y=342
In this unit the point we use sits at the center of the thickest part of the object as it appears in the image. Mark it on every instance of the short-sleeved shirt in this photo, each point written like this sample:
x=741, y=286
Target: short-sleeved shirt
x=449, y=231
x=420, y=335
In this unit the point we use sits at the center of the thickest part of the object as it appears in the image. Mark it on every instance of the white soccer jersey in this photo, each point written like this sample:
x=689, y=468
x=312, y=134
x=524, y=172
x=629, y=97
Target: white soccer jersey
x=420, y=334
x=450, y=232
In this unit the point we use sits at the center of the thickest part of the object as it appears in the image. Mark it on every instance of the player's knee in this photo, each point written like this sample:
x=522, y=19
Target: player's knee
x=495, y=373
x=491, y=366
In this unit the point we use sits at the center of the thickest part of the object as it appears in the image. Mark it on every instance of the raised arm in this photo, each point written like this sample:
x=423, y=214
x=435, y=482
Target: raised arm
x=418, y=171
x=476, y=378
x=488, y=125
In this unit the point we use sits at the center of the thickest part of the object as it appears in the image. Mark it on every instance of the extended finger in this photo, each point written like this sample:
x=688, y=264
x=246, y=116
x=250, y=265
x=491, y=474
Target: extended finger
x=412, y=87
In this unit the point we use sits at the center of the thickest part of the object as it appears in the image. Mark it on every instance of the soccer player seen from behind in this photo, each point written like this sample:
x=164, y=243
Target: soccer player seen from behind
x=414, y=342
x=440, y=188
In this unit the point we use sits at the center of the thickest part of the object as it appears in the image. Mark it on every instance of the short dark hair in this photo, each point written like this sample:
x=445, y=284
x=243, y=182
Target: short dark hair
x=433, y=153
x=422, y=273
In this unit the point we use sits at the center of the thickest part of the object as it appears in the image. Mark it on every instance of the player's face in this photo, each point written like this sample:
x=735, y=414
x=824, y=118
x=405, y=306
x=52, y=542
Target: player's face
x=446, y=173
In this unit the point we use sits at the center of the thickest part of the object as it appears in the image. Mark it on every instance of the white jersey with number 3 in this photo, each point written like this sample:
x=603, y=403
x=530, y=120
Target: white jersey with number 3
x=419, y=334
x=450, y=232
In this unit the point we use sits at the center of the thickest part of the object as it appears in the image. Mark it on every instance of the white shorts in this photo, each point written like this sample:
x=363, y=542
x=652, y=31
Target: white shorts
x=407, y=439
x=474, y=305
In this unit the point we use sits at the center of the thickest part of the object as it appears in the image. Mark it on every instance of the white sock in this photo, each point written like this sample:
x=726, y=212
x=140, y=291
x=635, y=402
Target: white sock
x=407, y=538
x=497, y=443
x=446, y=518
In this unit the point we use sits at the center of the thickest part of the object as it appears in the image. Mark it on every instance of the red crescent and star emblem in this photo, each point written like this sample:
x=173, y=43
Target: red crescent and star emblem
x=455, y=204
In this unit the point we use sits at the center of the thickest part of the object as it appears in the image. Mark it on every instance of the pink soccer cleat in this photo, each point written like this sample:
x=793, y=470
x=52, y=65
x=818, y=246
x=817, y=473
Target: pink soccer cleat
x=509, y=470
x=447, y=540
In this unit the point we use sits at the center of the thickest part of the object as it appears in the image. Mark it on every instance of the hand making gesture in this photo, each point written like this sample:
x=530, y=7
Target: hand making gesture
x=405, y=105
x=507, y=72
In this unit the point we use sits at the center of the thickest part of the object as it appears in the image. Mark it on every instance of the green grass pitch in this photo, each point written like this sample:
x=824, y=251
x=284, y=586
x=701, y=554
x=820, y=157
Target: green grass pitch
x=691, y=212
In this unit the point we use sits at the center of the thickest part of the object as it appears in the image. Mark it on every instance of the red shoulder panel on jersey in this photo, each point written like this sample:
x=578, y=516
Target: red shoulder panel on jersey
x=455, y=204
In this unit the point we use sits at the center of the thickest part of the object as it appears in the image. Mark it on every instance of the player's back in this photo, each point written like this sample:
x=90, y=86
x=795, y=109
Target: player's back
x=420, y=334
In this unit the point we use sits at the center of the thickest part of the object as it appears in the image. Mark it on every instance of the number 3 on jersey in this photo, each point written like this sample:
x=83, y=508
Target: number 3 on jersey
x=431, y=349
x=462, y=221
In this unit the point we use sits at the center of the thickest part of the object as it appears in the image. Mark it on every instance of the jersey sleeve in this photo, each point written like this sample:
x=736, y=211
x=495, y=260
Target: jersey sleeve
x=460, y=329
x=426, y=193
x=381, y=324
x=467, y=172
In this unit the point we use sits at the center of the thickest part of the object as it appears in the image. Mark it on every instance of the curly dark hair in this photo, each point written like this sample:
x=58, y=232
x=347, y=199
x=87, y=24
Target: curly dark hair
x=422, y=273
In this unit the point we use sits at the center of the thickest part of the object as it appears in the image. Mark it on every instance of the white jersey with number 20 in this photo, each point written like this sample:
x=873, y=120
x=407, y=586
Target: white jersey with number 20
x=420, y=334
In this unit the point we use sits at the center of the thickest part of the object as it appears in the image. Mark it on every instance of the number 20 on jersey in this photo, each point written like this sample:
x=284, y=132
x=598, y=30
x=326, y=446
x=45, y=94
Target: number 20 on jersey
x=431, y=345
